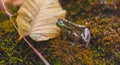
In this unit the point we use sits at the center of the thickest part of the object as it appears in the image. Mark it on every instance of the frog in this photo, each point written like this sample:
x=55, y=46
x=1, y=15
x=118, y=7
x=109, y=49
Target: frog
x=74, y=33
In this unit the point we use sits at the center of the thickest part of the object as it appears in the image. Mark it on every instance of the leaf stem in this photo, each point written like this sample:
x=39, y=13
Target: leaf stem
x=2, y=4
x=5, y=9
x=33, y=48
x=37, y=52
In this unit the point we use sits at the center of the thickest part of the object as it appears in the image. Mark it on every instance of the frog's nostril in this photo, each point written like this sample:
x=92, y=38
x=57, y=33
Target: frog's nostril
x=60, y=22
x=60, y=19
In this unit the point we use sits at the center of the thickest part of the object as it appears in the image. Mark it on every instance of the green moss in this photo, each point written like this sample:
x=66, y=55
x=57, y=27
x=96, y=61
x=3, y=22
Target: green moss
x=2, y=62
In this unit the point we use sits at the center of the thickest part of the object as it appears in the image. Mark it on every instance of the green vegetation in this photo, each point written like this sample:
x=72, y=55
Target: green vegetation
x=104, y=47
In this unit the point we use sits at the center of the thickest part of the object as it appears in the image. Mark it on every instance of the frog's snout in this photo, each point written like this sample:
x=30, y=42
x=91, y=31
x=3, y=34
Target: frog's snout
x=60, y=21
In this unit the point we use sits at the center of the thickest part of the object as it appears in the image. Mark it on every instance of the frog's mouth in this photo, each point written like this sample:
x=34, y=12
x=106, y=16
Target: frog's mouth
x=61, y=23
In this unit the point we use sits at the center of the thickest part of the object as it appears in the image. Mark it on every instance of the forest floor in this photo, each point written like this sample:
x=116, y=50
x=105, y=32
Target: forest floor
x=104, y=48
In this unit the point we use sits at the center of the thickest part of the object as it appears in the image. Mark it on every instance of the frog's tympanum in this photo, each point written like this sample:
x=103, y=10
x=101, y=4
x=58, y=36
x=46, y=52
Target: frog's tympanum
x=74, y=33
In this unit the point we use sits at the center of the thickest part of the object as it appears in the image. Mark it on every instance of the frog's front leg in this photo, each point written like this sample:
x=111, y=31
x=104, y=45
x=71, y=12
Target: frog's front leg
x=69, y=41
x=66, y=35
x=69, y=37
x=86, y=36
x=74, y=38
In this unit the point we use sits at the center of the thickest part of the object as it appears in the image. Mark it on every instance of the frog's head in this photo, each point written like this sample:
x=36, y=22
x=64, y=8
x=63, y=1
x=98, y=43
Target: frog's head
x=62, y=24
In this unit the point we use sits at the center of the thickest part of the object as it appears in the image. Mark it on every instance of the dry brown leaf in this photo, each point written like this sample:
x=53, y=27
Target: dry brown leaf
x=14, y=2
x=37, y=18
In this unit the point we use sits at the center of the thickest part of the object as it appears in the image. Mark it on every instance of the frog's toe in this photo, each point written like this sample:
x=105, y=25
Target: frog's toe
x=87, y=44
x=81, y=45
x=71, y=43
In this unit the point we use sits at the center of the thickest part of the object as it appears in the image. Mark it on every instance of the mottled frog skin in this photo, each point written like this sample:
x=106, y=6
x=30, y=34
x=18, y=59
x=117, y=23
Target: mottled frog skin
x=74, y=33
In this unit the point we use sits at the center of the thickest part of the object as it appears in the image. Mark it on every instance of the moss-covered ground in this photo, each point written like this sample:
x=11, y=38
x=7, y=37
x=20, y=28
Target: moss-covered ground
x=104, y=48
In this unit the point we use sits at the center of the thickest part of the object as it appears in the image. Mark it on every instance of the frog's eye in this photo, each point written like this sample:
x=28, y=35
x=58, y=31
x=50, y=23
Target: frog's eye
x=60, y=22
x=60, y=19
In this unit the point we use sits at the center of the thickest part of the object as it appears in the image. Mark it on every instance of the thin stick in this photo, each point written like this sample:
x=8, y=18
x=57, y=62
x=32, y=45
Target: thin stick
x=33, y=48
x=38, y=53
x=5, y=9
x=10, y=17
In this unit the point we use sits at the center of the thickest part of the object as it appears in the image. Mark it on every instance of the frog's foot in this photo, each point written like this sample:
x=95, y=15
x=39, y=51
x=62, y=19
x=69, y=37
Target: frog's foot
x=71, y=43
x=86, y=45
x=81, y=45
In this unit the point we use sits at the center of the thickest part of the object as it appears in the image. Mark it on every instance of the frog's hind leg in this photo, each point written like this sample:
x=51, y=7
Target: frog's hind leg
x=86, y=36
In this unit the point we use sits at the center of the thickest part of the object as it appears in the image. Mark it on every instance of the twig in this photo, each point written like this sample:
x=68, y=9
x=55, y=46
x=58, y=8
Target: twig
x=38, y=53
x=33, y=48
x=5, y=9
x=10, y=17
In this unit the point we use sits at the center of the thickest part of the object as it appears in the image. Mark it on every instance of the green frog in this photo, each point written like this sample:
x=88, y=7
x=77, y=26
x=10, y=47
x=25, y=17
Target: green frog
x=76, y=34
